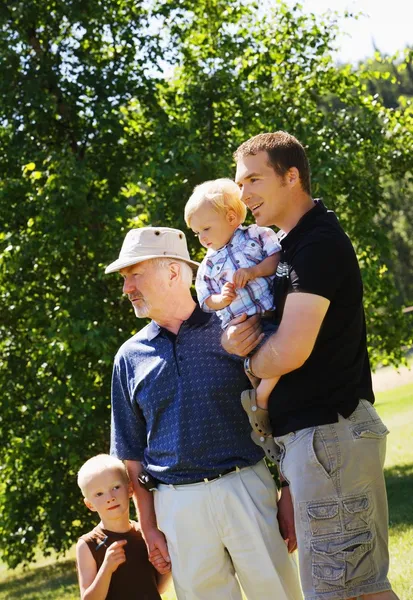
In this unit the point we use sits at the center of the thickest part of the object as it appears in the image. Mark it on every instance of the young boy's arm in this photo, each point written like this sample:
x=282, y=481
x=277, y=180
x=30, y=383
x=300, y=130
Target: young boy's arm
x=94, y=584
x=265, y=268
x=163, y=574
x=220, y=301
x=163, y=581
x=143, y=500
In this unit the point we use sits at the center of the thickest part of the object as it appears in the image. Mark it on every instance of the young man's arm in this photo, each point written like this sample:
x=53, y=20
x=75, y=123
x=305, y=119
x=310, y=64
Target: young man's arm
x=265, y=268
x=143, y=500
x=94, y=584
x=291, y=345
x=285, y=351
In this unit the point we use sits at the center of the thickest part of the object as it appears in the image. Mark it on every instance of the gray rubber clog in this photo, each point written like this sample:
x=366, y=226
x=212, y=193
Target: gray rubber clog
x=267, y=444
x=258, y=417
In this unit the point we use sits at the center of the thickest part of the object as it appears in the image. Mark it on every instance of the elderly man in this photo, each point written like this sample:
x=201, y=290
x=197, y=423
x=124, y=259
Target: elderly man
x=330, y=438
x=176, y=415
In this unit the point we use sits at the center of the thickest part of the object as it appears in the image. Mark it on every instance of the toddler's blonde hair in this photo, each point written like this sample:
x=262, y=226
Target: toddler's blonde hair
x=222, y=194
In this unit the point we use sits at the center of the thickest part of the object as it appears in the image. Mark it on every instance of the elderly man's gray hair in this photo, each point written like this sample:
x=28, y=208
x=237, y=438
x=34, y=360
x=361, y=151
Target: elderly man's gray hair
x=186, y=271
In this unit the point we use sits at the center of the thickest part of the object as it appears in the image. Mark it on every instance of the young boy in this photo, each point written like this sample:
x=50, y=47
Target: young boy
x=112, y=560
x=236, y=277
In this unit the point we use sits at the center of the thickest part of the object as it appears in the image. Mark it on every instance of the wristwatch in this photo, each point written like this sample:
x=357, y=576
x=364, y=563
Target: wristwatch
x=247, y=367
x=284, y=483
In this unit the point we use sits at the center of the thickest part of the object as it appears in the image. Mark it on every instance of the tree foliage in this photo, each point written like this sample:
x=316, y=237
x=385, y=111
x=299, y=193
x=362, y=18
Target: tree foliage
x=391, y=79
x=112, y=110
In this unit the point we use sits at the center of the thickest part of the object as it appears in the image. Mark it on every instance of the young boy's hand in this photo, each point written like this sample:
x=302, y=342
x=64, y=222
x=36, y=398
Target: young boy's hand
x=158, y=561
x=242, y=277
x=115, y=556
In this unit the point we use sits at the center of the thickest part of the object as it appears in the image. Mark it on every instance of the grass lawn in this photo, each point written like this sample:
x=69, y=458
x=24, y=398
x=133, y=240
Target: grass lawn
x=53, y=579
x=396, y=410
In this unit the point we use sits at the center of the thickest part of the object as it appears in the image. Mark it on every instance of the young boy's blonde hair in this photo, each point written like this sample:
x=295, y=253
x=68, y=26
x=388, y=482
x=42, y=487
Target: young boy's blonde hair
x=98, y=464
x=222, y=194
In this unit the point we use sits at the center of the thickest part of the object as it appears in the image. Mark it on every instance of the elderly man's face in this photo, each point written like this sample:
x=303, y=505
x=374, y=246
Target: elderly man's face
x=145, y=286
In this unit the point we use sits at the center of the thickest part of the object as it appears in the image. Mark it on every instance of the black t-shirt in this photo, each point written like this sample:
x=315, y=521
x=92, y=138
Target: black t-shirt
x=318, y=258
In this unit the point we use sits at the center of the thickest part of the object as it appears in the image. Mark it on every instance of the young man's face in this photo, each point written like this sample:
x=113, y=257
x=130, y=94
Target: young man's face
x=264, y=192
x=108, y=494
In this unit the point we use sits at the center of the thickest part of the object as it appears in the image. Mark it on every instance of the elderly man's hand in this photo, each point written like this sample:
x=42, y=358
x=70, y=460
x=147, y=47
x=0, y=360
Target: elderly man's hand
x=242, y=335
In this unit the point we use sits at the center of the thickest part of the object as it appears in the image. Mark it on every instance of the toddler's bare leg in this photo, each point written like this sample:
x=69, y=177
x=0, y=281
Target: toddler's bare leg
x=264, y=389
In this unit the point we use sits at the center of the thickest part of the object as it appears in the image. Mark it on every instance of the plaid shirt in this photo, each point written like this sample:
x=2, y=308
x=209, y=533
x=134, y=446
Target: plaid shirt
x=247, y=247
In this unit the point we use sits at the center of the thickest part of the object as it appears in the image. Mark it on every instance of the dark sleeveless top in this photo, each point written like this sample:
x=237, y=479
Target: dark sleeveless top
x=136, y=578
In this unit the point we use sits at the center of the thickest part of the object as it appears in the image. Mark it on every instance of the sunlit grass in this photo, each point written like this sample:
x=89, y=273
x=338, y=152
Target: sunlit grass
x=51, y=579
x=396, y=409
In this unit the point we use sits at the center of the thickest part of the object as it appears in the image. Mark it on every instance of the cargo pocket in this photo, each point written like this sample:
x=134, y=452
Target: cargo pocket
x=355, y=513
x=328, y=568
x=373, y=430
x=359, y=562
x=324, y=518
x=342, y=562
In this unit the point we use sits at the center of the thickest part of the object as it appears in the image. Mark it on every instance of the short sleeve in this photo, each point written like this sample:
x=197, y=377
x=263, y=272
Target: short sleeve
x=318, y=268
x=128, y=438
x=268, y=238
x=205, y=286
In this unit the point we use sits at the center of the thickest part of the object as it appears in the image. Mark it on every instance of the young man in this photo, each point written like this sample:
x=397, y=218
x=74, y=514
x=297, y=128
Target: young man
x=331, y=441
x=176, y=414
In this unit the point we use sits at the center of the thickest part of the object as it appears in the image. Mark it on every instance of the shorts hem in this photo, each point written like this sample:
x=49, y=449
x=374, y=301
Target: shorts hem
x=359, y=590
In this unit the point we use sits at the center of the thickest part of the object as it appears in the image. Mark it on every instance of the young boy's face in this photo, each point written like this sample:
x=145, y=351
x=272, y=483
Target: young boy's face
x=108, y=494
x=214, y=229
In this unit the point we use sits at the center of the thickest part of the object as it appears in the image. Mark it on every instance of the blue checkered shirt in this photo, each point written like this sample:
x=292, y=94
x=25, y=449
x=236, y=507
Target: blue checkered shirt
x=247, y=247
x=176, y=403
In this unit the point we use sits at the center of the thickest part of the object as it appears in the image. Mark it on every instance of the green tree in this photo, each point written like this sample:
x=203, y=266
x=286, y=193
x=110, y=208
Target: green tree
x=112, y=111
x=69, y=70
x=391, y=79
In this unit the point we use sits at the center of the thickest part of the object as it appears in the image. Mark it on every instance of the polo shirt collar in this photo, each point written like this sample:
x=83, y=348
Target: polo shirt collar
x=304, y=224
x=198, y=317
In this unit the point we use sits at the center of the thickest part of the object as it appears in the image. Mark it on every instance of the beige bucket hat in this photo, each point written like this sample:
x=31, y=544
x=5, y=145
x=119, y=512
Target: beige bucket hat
x=152, y=242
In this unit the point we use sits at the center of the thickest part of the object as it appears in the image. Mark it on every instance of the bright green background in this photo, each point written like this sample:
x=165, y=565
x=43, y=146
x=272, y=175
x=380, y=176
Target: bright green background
x=57, y=580
x=111, y=111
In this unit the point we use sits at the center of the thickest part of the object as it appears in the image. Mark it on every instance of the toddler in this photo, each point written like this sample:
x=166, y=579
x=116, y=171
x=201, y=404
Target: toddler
x=236, y=277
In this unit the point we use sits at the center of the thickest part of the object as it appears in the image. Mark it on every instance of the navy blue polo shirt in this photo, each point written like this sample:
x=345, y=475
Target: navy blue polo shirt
x=176, y=403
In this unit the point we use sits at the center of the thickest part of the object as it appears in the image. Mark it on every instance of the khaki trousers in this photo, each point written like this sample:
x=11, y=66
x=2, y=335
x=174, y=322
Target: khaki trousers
x=225, y=533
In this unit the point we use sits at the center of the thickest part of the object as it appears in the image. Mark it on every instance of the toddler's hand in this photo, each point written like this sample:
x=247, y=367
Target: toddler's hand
x=158, y=561
x=241, y=277
x=115, y=556
x=228, y=293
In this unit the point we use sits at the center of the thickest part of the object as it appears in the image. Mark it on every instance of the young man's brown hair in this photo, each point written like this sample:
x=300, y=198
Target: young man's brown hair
x=284, y=151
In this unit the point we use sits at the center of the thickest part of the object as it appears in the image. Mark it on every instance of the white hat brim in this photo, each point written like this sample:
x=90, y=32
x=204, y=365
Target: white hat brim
x=122, y=263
